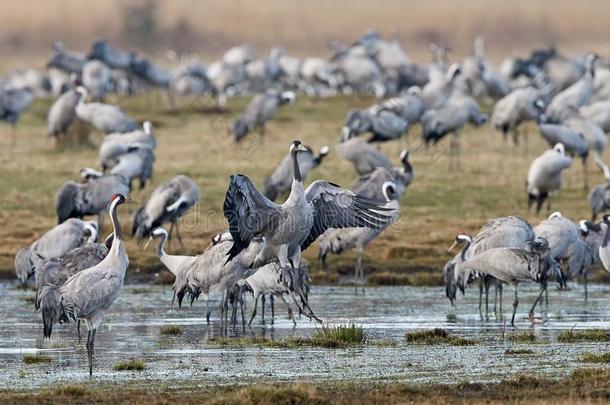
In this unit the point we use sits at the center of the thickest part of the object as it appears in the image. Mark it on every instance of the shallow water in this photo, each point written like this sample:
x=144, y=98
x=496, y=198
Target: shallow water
x=132, y=330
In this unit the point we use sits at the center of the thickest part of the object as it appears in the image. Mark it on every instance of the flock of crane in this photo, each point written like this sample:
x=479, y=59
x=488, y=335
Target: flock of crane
x=77, y=278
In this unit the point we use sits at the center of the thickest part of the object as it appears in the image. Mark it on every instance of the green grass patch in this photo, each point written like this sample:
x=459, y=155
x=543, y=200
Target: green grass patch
x=129, y=365
x=437, y=336
x=596, y=358
x=523, y=337
x=171, y=330
x=587, y=335
x=338, y=336
x=36, y=359
x=516, y=352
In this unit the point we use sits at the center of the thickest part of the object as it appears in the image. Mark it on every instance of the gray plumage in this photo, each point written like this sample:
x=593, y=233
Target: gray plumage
x=597, y=112
x=89, y=293
x=167, y=204
x=370, y=185
x=599, y=198
x=261, y=109
x=62, y=113
x=384, y=125
x=55, y=243
x=104, y=117
x=76, y=200
x=111, y=56
x=96, y=79
x=531, y=263
x=281, y=179
x=70, y=62
x=13, y=102
x=544, y=177
x=574, y=142
x=115, y=145
x=291, y=227
x=436, y=92
x=337, y=241
x=409, y=107
x=226, y=79
x=519, y=106
x=53, y=273
x=362, y=155
x=136, y=164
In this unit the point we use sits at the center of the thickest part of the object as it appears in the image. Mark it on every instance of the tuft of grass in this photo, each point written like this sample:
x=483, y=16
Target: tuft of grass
x=587, y=335
x=288, y=343
x=71, y=391
x=523, y=337
x=518, y=351
x=338, y=336
x=171, y=330
x=36, y=358
x=596, y=358
x=129, y=365
x=437, y=336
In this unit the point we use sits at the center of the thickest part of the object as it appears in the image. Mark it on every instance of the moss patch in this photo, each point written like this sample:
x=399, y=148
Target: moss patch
x=437, y=336
x=171, y=330
x=587, y=335
x=129, y=365
x=36, y=359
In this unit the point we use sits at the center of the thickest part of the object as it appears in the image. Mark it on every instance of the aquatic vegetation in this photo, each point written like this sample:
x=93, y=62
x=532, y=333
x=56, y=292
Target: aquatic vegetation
x=522, y=337
x=129, y=365
x=596, y=358
x=587, y=335
x=338, y=336
x=171, y=330
x=437, y=336
x=36, y=358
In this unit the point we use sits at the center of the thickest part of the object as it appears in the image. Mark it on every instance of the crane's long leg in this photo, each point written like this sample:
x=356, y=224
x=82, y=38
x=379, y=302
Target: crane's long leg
x=515, y=305
x=542, y=290
x=584, y=173
x=296, y=263
x=263, y=299
x=290, y=313
x=207, y=309
x=89, y=355
x=586, y=281
x=487, y=285
x=481, y=297
x=78, y=330
x=91, y=345
x=253, y=310
x=501, y=287
x=241, y=306
x=272, y=309
x=178, y=235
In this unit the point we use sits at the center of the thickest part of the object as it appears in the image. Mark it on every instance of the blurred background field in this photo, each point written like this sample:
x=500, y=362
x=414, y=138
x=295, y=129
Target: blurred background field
x=28, y=28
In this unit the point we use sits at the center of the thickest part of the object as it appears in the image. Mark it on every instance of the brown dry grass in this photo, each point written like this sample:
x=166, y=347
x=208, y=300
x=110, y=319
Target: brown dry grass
x=29, y=27
x=438, y=205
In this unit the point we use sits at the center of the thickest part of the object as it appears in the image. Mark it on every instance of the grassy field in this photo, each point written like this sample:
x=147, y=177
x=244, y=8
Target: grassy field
x=439, y=204
x=581, y=386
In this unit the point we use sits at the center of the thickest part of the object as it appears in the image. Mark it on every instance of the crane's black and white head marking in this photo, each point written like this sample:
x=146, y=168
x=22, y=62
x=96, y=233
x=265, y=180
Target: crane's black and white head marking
x=288, y=97
x=584, y=228
x=324, y=150
x=118, y=199
x=297, y=146
x=555, y=215
x=88, y=173
x=539, y=105
x=389, y=191
x=454, y=71
x=559, y=148
x=414, y=91
x=80, y=90
x=158, y=232
x=606, y=219
x=460, y=239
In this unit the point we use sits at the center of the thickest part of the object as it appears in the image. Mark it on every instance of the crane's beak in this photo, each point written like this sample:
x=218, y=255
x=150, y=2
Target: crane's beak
x=147, y=243
x=452, y=247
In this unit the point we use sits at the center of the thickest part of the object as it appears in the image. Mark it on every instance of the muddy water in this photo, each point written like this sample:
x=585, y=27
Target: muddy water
x=132, y=330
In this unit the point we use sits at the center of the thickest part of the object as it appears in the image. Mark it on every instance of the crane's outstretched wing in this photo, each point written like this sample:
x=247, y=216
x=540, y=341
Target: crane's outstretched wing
x=248, y=212
x=336, y=207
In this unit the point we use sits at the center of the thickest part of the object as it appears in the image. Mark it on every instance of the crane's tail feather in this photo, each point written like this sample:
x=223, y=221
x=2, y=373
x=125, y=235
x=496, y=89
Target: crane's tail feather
x=50, y=305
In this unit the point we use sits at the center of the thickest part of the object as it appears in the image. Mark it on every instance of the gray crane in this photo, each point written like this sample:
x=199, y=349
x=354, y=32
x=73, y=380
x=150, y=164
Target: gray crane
x=96, y=79
x=506, y=232
x=370, y=185
x=450, y=119
x=114, y=57
x=54, y=243
x=599, y=198
x=337, y=241
x=104, y=117
x=55, y=272
x=436, y=92
x=62, y=113
x=289, y=228
x=409, y=106
x=115, y=145
x=76, y=200
x=67, y=61
x=261, y=109
x=362, y=155
x=598, y=112
x=281, y=179
x=514, y=109
x=574, y=142
x=167, y=203
x=226, y=80
x=13, y=102
x=90, y=293
x=604, y=248
x=544, y=177
x=531, y=263
x=137, y=163
x=384, y=125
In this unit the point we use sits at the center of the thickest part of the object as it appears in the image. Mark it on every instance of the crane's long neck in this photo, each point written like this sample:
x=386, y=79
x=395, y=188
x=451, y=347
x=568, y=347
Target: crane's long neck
x=464, y=250
x=606, y=237
x=295, y=165
x=161, y=247
x=114, y=217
